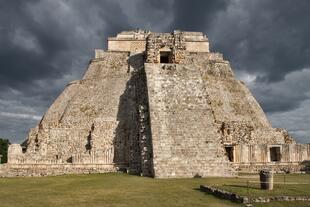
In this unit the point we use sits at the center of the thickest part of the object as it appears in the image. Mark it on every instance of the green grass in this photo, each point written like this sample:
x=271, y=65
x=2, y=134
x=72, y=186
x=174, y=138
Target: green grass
x=287, y=185
x=100, y=190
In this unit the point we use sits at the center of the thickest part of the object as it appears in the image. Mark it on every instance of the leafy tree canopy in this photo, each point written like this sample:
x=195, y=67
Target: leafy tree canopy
x=4, y=144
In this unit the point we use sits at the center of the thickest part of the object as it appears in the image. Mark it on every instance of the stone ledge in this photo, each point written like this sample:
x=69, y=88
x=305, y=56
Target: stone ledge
x=243, y=199
x=30, y=170
x=223, y=194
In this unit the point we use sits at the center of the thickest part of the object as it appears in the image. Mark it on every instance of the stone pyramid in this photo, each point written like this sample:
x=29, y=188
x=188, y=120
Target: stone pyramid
x=156, y=104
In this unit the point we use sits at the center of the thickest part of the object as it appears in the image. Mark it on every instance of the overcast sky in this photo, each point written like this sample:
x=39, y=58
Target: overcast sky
x=44, y=44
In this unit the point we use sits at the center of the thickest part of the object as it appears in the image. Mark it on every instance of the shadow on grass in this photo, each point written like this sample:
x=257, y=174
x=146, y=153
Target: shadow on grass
x=198, y=189
x=216, y=196
x=242, y=186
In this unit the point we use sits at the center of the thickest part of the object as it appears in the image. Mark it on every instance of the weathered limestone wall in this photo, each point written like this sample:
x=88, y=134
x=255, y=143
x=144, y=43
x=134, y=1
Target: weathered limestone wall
x=99, y=53
x=173, y=43
x=179, y=113
x=252, y=158
x=163, y=120
x=198, y=46
x=145, y=151
x=92, y=121
x=135, y=41
x=13, y=170
x=196, y=42
x=130, y=41
x=100, y=120
x=238, y=116
x=14, y=152
x=126, y=45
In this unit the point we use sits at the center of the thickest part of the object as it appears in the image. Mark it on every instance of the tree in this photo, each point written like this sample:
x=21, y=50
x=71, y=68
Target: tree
x=4, y=144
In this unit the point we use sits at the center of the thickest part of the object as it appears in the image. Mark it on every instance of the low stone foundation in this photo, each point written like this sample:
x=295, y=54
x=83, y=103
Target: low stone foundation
x=224, y=194
x=243, y=199
x=13, y=170
x=281, y=167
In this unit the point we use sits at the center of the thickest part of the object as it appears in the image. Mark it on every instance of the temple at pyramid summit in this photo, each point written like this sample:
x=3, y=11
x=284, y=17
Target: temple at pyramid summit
x=159, y=105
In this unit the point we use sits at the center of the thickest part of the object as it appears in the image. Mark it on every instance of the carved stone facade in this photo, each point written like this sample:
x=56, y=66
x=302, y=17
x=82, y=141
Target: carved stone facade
x=155, y=104
x=278, y=157
x=172, y=44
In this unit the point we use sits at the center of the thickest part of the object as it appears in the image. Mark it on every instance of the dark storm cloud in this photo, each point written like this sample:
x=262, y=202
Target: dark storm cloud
x=27, y=47
x=270, y=38
x=196, y=15
x=154, y=15
x=296, y=121
x=40, y=39
x=44, y=44
x=10, y=127
x=284, y=95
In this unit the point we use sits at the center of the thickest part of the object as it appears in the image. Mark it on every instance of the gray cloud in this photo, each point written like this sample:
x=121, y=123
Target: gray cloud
x=11, y=127
x=295, y=121
x=43, y=46
x=154, y=15
x=46, y=44
x=283, y=95
x=196, y=15
x=265, y=37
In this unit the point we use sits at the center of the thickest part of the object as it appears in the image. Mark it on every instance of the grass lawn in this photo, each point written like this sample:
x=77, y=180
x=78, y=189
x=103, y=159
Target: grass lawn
x=289, y=185
x=118, y=189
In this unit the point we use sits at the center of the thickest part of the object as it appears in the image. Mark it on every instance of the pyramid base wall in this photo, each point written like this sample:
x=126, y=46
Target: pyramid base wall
x=281, y=167
x=293, y=158
x=14, y=170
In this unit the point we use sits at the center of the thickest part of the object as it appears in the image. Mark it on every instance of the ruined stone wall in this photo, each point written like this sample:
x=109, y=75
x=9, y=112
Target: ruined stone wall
x=238, y=116
x=261, y=153
x=158, y=42
x=184, y=137
x=252, y=158
x=143, y=148
x=196, y=42
x=92, y=121
x=197, y=46
x=14, y=153
x=162, y=120
x=137, y=41
x=13, y=170
x=130, y=41
x=127, y=45
x=101, y=120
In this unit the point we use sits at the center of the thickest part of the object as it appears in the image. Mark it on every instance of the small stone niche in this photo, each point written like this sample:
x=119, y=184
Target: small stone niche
x=165, y=57
x=230, y=153
x=275, y=154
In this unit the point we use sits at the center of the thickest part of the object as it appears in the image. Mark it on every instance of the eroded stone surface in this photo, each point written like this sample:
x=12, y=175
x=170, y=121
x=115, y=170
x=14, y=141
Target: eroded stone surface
x=156, y=104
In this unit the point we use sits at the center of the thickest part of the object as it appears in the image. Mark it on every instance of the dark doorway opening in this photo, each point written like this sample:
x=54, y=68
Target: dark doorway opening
x=230, y=153
x=70, y=160
x=275, y=154
x=165, y=57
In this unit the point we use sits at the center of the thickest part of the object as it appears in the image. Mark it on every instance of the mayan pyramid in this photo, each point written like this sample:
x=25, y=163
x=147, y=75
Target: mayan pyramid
x=155, y=104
